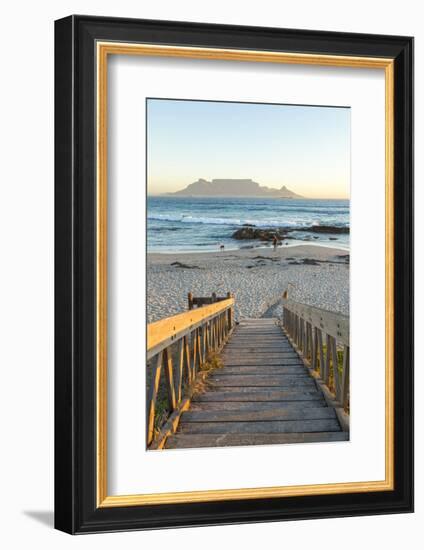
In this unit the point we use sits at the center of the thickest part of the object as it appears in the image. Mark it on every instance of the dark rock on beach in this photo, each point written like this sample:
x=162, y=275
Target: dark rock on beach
x=250, y=233
x=184, y=266
x=327, y=229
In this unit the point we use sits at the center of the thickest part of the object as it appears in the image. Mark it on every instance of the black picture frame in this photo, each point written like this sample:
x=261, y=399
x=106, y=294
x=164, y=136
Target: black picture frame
x=76, y=510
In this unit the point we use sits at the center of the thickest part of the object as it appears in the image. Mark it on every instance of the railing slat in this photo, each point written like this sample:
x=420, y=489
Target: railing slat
x=321, y=353
x=336, y=373
x=169, y=373
x=314, y=348
x=194, y=346
x=327, y=360
x=187, y=358
x=345, y=378
x=180, y=371
x=151, y=400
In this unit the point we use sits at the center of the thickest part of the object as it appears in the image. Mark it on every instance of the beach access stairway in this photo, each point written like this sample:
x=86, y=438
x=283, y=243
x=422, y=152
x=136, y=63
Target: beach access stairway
x=277, y=382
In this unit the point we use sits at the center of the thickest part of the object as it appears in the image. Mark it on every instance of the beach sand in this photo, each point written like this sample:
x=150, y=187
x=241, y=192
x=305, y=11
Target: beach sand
x=257, y=277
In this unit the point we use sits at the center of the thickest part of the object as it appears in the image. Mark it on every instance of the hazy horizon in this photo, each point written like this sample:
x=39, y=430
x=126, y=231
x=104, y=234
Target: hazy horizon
x=305, y=148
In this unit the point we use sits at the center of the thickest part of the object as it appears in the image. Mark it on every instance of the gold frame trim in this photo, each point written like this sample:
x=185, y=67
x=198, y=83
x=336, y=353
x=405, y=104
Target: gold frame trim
x=104, y=49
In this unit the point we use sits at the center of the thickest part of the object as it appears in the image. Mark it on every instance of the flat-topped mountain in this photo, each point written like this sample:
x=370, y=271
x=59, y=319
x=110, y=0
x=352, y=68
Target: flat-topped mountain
x=234, y=188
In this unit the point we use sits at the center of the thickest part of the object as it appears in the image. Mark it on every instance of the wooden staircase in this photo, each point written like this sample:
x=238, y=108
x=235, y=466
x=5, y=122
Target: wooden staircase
x=262, y=395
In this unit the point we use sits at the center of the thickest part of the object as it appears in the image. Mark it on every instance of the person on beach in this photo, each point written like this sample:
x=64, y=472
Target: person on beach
x=275, y=242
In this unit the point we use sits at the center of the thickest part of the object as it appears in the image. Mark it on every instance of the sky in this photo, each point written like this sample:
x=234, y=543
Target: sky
x=305, y=148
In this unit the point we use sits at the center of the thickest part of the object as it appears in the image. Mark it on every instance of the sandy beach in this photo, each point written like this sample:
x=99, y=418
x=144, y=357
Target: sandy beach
x=315, y=275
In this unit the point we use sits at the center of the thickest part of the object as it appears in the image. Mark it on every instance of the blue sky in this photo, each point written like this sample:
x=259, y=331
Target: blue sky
x=305, y=148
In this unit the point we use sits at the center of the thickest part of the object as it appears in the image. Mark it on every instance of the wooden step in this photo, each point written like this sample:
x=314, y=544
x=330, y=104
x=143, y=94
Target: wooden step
x=255, y=406
x=283, y=413
x=262, y=382
x=258, y=355
x=187, y=441
x=235, y=362
x=258, y=348
x=301, y=387
x=263, y=379
x=258, y=395
x=264, y=427
x=262, y=370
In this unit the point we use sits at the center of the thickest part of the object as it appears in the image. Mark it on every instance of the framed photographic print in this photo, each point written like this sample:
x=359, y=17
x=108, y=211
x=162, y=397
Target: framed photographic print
x=234, y=269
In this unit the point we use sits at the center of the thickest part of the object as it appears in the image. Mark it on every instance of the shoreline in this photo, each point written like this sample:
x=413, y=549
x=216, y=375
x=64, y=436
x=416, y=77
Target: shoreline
x=316, y=275
x=336, y=248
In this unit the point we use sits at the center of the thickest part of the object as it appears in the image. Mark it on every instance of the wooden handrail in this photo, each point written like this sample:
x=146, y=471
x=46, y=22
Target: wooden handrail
x=197, y=333
x=321, y=338
x=332, y=323
x=166, y=331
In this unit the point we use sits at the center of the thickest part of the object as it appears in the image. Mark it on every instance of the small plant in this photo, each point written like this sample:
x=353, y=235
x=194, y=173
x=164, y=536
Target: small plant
x=161, y=412
x=213, y=361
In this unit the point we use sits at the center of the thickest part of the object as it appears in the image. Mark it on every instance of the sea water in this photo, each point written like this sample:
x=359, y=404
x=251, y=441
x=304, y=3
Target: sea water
x=201, y=224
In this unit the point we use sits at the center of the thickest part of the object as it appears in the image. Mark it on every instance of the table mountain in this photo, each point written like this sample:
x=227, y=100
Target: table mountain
x=234, y=188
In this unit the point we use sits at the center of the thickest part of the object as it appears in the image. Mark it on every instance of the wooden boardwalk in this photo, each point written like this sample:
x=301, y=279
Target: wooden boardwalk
x=262, y=395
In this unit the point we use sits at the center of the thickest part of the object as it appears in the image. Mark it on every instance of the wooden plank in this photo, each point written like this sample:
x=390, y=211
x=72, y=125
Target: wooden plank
x=171, y=327
x=252, y=352
x=251, y=345
x=258, y=337
x=266, y=380
x=254, y=341
x=284, y=362
x=259, y=395
x=314, y=336
x=286, y=413
x=187, y=359
x=259, y=354
x=152, y=396
x=253, y=370
x=306, y=386
x=180, y=441
x=336, y=373
x=327, y=360
x=255, y=405
x=259, y=328
x=169, y=374
x=180, y=370
x=345, y=377
x=266, y=427
x=262, y=342
x=321, y=353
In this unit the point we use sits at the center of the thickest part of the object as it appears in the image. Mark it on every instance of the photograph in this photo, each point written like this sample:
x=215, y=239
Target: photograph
x=248, y=265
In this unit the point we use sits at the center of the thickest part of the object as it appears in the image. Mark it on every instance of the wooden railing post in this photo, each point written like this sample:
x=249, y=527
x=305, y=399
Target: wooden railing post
x=169, y=373
x=230, y=313
x=190, y=300
x=152, y=397
x=315, y=349
x=345, y=377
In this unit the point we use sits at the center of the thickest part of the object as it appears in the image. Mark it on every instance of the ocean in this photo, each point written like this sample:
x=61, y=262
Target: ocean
x=201, y=224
